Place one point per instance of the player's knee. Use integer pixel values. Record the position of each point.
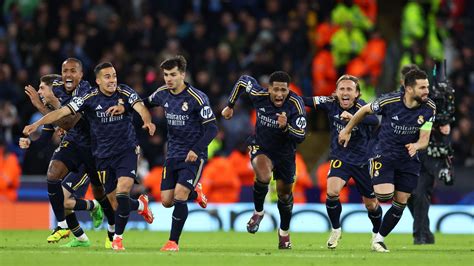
(263, 178)
(53, 175)
(69, 204)
(167, 203)
(332, 193)
(286, 199)
(384, 197)
(56, 171)
(124, 185)
(98, 192)
(371, 205)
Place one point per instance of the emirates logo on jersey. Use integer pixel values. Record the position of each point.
(185, 106)
(420, 120)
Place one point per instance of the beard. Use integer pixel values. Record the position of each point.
(419, 100)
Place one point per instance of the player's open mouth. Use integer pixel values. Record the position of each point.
(68, 83)
(345, 100)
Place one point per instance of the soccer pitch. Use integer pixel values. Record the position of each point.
(231, 248)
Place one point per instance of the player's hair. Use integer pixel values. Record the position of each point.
(279, 76)
(413, 75)
(407, 68)
(101, 66)
(176, 61)
(75, 60)
(48, 79)
(349, 77)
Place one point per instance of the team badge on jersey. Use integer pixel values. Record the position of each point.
(421, 119)
(185, 106)
(375, 106)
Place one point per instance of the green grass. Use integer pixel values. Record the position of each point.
(142, 248)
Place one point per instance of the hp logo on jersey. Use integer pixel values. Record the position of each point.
(206, 112)
(301, 122)
(132, 98)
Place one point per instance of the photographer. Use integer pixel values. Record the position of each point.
(435, 160)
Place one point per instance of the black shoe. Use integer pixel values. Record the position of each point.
(419, 241)
(254, 223)
(430, 239)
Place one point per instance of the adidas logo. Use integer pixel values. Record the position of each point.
(98, 107)
(262, 109)
(69, 184)
(395, 117)
(190, 181)
(336, 116)
(133, 172)
(166, 105)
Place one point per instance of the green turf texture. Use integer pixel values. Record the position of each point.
(230, 248)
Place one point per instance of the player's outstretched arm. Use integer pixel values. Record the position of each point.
(47, 119)
(345, 134)
(66, 123)
(46, 135)
(370, 120)
(140, 108)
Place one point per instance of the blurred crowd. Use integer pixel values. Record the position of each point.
(315, 41)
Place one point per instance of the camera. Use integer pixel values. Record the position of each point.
(442, 93)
